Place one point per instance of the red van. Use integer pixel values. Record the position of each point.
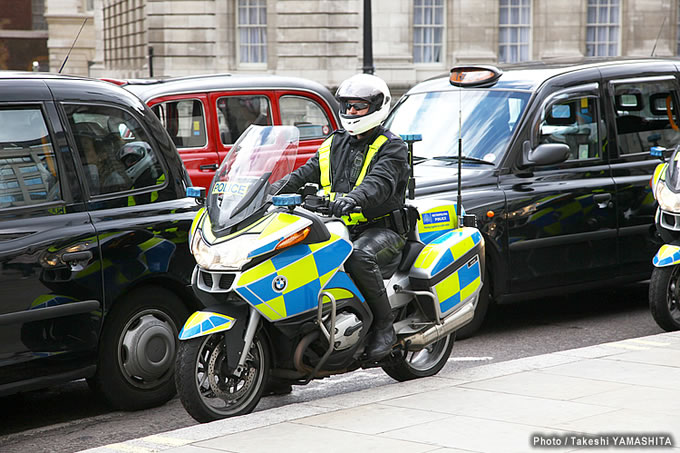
(205, 115)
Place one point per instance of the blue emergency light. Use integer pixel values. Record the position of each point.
(288, 199)
(196, 192)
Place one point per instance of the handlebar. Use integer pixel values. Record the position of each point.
(321, 205)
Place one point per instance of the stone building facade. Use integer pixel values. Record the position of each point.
(323, 39)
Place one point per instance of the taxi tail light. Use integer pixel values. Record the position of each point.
(293, 239)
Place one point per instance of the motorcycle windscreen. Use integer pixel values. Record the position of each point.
(244, 182)
(673, 171)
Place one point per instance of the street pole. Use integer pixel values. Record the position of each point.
(368, 39)
(150, 61)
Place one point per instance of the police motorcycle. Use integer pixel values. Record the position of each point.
(279, 306)
(664, 285)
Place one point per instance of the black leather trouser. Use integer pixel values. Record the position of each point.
(377, 252)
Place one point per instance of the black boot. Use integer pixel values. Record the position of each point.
(381, 339)
(277, 387)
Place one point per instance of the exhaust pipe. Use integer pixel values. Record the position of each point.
(451, 323)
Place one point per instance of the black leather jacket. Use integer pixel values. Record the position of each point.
(383, 188)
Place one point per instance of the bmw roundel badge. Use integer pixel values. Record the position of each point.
(279, 283)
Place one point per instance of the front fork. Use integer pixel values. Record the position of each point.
(253, 322)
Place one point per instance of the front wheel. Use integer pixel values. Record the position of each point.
(137, 349)
(207, 391)
(426, 362)
(664, 297)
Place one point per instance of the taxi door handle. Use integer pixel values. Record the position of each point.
(602, 199)
(207, 167)
(75, 257)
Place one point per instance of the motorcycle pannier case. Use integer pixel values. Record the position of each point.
(451, 268)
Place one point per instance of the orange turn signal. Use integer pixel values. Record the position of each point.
(293, 239)
(490, 214)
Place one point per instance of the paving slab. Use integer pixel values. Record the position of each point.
(550, 386)
(499, 406)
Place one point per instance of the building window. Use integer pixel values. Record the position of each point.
(602, 29)
(252, 31)
(124, 33)
(513, 32)
(38, 8)
(428, 31)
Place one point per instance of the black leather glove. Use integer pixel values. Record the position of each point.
(342, 206)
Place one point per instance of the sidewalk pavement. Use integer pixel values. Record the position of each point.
(614, 394)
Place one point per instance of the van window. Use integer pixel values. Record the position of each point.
(573, 122)
(28, 170)
(184, 121)
(306, 115)
(114, 150)
(646, 115)
(236, 113)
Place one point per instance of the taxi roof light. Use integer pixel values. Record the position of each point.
(469, 76)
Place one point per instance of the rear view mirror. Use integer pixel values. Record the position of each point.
(544, 154)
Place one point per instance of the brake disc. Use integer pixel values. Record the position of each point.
(227, 389)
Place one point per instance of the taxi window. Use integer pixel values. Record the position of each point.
(236, 113)
(184, 121)
(574, 122)
(306, 115)
(28, 170)
(646, 115)
(115, 152)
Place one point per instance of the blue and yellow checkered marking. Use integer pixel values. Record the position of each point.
(559, 218)
(204, 323)
(447, 248)
(668, 255)
(458, 286)
(306, 267)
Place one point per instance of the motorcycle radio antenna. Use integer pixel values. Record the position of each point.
(461, 77)
(72, 46)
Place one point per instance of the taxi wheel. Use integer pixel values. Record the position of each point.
(135, 368)
(664, 297)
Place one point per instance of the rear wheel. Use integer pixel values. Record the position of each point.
(664, 297)
(426, 362)
(207, 391)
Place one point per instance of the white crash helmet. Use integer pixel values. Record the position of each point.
(371, 89)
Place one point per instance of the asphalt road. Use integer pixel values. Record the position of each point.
(68, 418)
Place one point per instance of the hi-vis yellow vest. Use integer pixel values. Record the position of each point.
(325, 170)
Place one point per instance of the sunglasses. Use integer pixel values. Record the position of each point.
(356, 105)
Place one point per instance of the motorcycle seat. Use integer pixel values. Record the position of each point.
(409, 254)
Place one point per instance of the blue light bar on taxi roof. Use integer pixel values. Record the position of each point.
(470, 76)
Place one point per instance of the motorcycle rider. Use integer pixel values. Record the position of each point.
(365, 165)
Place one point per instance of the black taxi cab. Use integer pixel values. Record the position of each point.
(205, 114)
(94, 259)
(555, 165)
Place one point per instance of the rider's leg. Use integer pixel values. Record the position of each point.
(373, 249)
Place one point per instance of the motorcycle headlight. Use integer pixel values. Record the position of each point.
(229, 255)
(668, 200)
